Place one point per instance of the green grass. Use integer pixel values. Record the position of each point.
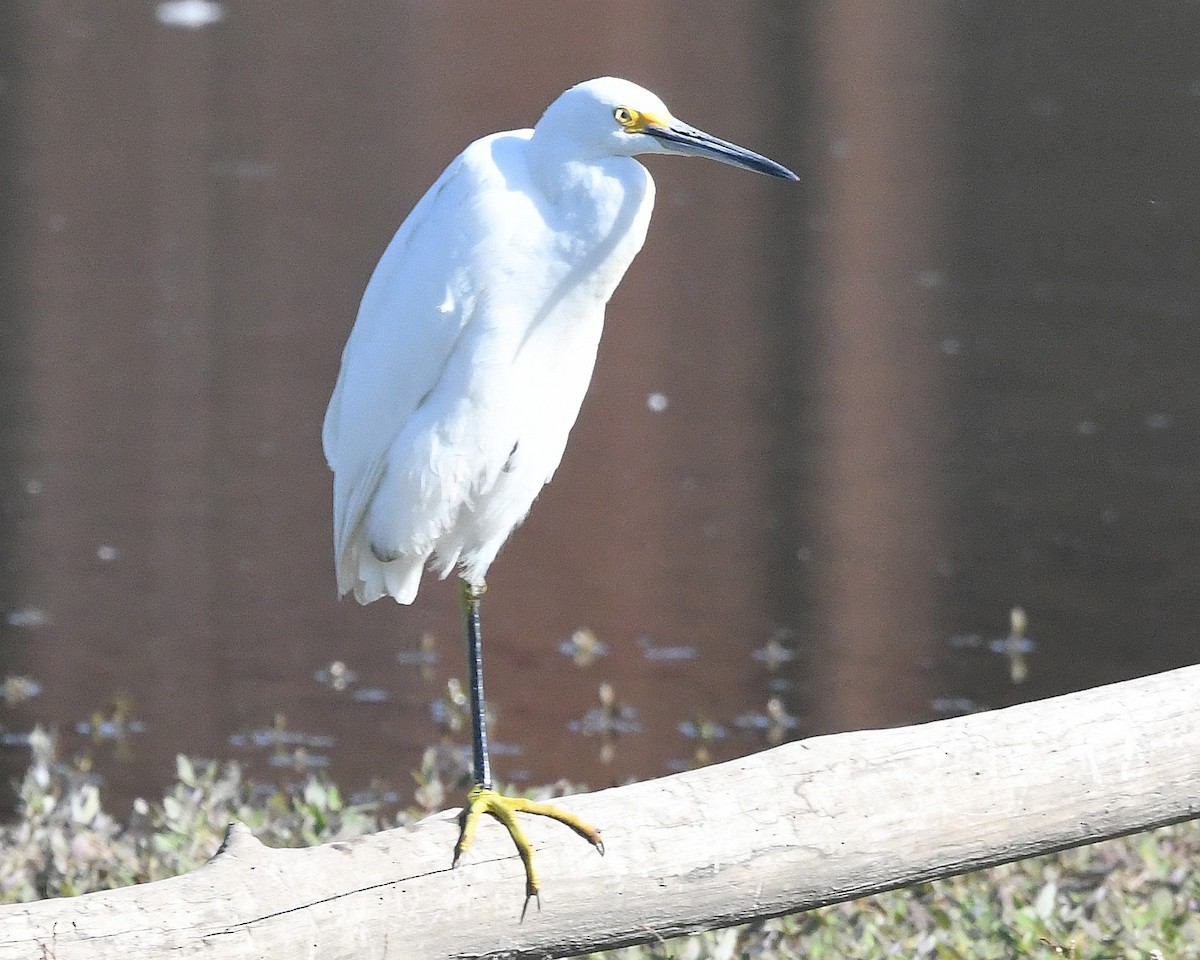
(1137, 897)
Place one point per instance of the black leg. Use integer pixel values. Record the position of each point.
(471, 595)
(482, 798)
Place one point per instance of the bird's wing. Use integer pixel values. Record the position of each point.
(410, 318)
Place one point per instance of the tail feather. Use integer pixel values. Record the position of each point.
(360, 572)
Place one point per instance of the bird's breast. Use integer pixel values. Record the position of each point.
(600, 222)
(538, 283)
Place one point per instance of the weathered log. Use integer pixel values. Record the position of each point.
(806, 824)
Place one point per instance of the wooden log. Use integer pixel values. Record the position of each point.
(806, 824)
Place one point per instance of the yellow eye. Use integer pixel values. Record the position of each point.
(625, 117)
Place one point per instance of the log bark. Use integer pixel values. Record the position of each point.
(806, 824)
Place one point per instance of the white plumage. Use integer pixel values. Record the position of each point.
(477, 334)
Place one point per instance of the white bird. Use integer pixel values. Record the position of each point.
(472, 351)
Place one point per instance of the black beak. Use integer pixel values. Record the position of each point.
(688, 141)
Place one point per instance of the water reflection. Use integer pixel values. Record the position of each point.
(830, 434)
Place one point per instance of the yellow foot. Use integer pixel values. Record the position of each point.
(483, 800)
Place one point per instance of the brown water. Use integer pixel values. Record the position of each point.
(951, 372)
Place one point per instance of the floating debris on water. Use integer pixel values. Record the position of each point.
(1016, 641)
(609, 721)
(424, 656)
(298, 759)
(776, 652)
(781, 720)
(1016, 646)
(18, 689)
(115, 726)
(278, 736)
(703, 729)
(954, 706)
(659, 654)
(611, 717)
(15, 738)
(189, 14)
(337, 676)
(704, 732)
(27, 618)
(371, 695)
(774, 721)
(584, 647)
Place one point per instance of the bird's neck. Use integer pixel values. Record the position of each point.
(564, 176)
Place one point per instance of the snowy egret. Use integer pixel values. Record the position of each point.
(471, 353)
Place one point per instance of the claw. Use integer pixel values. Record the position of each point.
(530, 895)
(481, 800)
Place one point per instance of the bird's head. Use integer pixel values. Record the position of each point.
(613, 117)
